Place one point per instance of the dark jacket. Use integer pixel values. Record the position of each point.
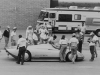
(6, 33)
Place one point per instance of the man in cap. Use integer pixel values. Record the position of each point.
(13, 37)
(73, 43)
(6, 35)
(21, 45)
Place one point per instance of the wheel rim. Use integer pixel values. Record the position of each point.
(26, 57)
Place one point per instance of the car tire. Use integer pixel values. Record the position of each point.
(67, 56)
(27, 56)
(68, 59)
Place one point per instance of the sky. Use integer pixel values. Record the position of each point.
(79, 1)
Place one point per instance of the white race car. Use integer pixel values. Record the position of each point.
(43, 52)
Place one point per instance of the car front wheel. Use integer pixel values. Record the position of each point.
(27, 56)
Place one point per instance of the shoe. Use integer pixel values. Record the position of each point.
(91, 59)
(17, 62)
(22, 63)
(96, 56)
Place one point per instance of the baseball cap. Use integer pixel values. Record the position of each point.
(73, 34)
(14, 27)
(8, 26)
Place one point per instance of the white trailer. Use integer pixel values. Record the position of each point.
(64, 19)
(93, 24)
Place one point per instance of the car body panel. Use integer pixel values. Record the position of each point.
(41, 52)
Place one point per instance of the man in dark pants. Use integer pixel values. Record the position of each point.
(6, 35)
(92, 43)
(79, 36)
(22, 48)
(92, 52)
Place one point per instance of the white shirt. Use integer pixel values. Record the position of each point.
(73, 39)
(35, 36)
(42, 31)
(29, 34)
(22, 42)
(50, 39)
(63, 41)
(13, 34)
(49, 27)
(95, 38)
(93, 41)
(83, 29)
(0, 34)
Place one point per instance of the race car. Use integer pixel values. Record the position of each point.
(42, 52)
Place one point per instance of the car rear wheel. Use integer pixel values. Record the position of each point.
(98, 32)
(27, 56)
(68, 56)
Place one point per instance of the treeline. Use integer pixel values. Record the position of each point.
(67, 4)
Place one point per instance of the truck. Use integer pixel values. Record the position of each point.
(65, 19)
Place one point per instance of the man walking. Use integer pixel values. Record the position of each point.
(6, 35)
(22, 48)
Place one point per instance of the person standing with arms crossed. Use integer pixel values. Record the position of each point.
(21, 45)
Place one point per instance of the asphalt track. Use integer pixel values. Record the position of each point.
(9, 67)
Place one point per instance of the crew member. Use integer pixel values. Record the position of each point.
(92, 45)
(29, 34)
(49, 28)
(73, 43)
(83, 30)
(43, 36)
(35, 38)
(63, 46)
(79, 36)
(13, 37)
(21, 45)
(6, 35)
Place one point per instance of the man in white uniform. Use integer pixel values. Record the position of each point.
(13, 37)
(29, 35)
(21, 45)
(73, 43)
(43, 35)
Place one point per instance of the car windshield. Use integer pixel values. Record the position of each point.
(42, 15)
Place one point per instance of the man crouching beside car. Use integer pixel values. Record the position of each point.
(21, 45)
